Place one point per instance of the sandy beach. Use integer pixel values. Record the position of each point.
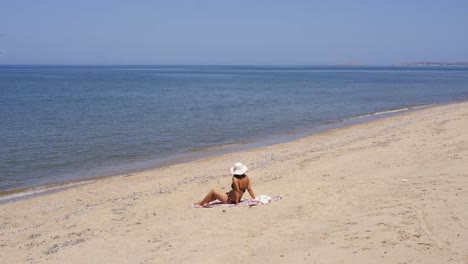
(389, 191)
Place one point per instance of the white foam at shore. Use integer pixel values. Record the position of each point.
(391, 111)
(40, 190)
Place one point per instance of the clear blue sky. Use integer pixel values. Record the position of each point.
(232, 32)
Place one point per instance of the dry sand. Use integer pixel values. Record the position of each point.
(389, 191)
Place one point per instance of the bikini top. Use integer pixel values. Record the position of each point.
(243, 190)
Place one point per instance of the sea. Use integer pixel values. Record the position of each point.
(62, 125)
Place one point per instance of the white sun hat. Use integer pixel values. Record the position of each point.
(239, 169)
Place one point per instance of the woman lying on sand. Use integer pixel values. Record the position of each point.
(240, 183)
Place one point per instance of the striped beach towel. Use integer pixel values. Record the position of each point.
(261, 200)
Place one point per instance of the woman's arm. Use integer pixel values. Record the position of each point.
(249, 188)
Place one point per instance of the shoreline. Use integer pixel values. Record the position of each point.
(14, 195)
(104, 145)
(389, 191)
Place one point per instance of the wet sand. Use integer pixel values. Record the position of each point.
(389, 191)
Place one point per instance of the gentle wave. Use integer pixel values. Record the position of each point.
(391, 111)
(9, 196)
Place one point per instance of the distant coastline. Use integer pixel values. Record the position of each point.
(430, 63)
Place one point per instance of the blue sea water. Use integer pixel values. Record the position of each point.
(62, 123)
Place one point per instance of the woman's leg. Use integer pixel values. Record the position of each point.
(213, 195)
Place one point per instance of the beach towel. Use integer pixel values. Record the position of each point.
(259, 200)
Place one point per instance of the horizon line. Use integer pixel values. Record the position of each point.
(252, 65)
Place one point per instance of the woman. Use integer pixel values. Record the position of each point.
(240, 183)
